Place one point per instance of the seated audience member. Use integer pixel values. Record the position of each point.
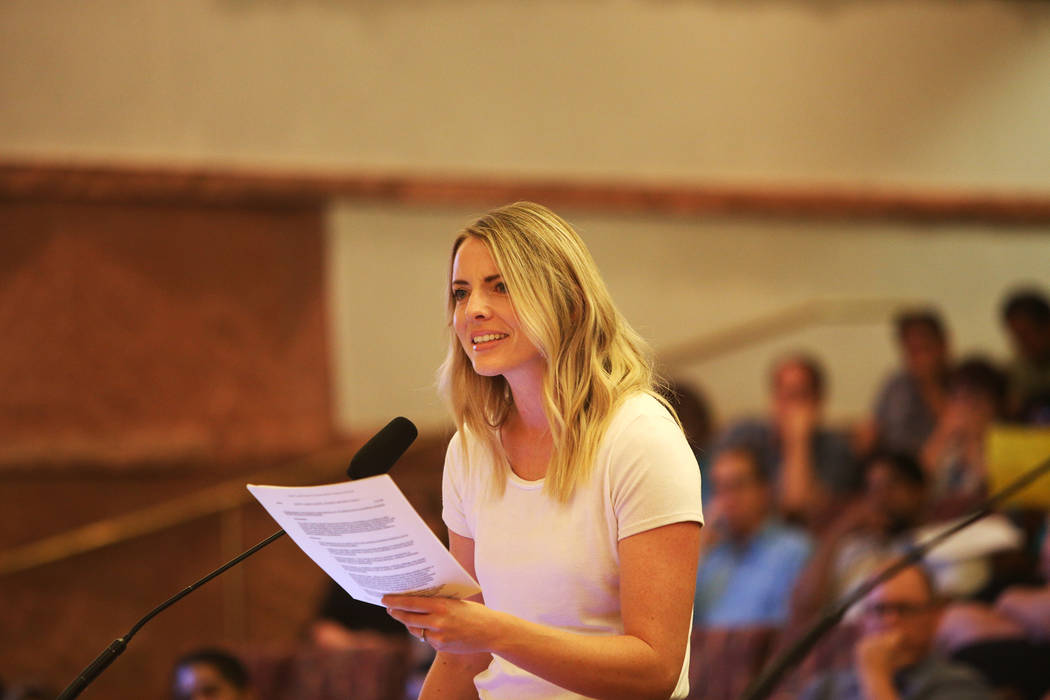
(953, 456)
(210, 674)
(698, 424)
(910, 401)
(1009, 642)
(1026, 315)
(747, 574)
(808, 464)
(894, 656)
(878, 525)
(887, 521)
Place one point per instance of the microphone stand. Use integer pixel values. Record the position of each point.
(767, 681)
(117, 647)
(375, 457)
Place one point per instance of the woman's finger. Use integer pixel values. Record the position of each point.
(412, 603)
(409, 619)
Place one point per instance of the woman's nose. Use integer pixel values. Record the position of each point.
(478, 305)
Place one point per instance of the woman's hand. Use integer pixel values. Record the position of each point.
(449, 625)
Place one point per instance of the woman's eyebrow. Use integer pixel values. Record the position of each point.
(490, 278)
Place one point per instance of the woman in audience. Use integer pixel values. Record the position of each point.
(953, 456)
(912, 399)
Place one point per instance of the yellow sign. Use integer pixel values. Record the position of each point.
(1012, 450)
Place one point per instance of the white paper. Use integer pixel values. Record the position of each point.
(368, 538)
(991, 534)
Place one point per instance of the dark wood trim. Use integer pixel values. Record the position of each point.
(140, 183)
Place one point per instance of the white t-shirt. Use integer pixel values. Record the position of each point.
(558, 564)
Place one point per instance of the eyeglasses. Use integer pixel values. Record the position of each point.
(885, 609)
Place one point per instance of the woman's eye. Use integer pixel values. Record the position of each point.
(501, 287)
(459, 294)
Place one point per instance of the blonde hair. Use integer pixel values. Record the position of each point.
(593, 357)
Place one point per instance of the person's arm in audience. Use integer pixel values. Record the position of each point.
(965, 622)
(871, 430)
(950, 427)
(864, 435)
(876, 665)
(801, 493)
(879, 656)
(1029, 608)
(814, 585)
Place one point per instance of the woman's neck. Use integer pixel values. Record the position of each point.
(528, 414)
(526, 435)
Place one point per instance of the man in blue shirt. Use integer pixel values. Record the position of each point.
(747, 573)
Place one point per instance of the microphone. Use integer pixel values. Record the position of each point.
(380, 453)
(375, 457)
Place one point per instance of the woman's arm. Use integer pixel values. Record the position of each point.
(657, 581)
(452, 675)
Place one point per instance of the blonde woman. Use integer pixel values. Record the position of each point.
(569, 489)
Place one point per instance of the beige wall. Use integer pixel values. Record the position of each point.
(858, 93)
(904, 92)
(675, 279)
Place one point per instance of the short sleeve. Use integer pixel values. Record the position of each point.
(454, 501)
(654, 476)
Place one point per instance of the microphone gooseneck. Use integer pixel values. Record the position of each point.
(375, 457)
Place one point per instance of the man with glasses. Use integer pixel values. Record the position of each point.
(894, 657)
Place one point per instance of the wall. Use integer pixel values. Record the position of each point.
(934, 94)
(160, 332)
(872, 92)
(676, 279)
(866, 95)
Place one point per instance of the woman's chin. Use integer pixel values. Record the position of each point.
(485, 370)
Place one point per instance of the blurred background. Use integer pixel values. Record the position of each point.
(225, 224)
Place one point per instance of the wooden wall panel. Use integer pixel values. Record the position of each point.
(158, 332)
(130, 182)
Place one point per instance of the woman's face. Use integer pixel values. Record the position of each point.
(485, 320)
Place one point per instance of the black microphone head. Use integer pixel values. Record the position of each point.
(380, 453)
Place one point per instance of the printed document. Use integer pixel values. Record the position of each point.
(368, 538)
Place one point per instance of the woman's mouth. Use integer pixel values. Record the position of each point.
(486, 338)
